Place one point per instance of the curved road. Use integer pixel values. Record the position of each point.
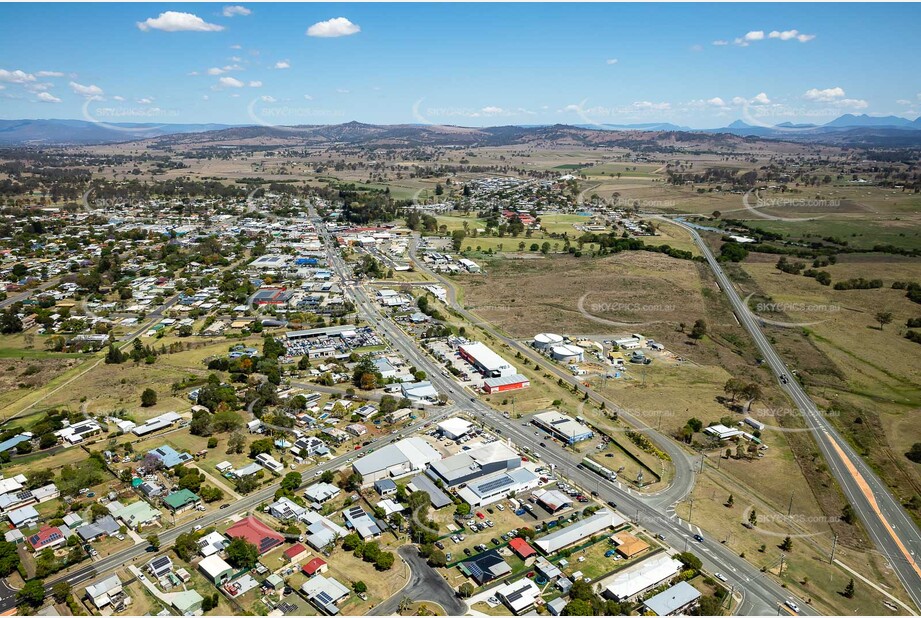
(425, 584)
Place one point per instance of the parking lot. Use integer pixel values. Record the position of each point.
(467, 374)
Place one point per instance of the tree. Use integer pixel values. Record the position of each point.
(883, 317)
(291, 482)
(733, 387)
(787, 544)
(242, 554)
(578, 608)
(226, 420)
(212, 442)
(689, 560)
(699, 329)
(236, 443)
(257, 447)
(848, 515)
(466, 589)
(149, 397)
(384, 561)
(849, 589)
(200, 425)
(32, 594)
(730, 501)
(186, 546)
(60, 591)
(437, 558)
(9, 558)
(359, 587)
(752, 518)
(327, 476)
(154, 541)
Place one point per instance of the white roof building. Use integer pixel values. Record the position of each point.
(454, 427)
(583, 529)
(396, 460)
(641, 576)
(520, 595)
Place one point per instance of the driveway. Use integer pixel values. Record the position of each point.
(425, 584)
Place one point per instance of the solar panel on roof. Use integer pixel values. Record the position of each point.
(324, 598)
(494, 484)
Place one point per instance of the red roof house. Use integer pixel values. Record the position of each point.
(317, 565)
(255, 532)
(521, 547)
(47, 537)
(296, 553)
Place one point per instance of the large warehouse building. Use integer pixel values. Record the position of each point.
(506, 383)
(563, 427)
(487, 362)
(396, 460)
(478, 462)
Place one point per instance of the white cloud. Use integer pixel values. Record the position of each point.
(649, 105)
(175, 21)
(255, 84)
(118, 98)
(16, 77)
(282, 64)
(491, 110)
(852, 103)
(224, 69)
(238, 46)
(204, 97)
(720, 42)
(145, 101)
(825, 95)
(92, 91)
(215, 71)
(50, 74)
(716, 102)
(343, 90)
(761, 99)
(903, 102)
(338, 26)
(789, 35)
(611, 61)
(697, 48)
(47, 97)
(232, 11)
(268, 99)
(308, 97)
(230, 82)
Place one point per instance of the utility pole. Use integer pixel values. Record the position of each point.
(782, 556)
(790, 508)
(834, 546)
(702, 457)
(690, 508)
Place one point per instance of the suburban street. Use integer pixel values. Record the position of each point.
(425, 584)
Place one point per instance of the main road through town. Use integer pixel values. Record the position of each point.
(760, 594)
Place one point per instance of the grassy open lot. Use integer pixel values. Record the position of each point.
(855, 369)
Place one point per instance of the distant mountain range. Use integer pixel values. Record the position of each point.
(848, 129)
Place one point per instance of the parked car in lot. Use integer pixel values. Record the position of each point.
(439, 545)
(480, 515)
(467, 551)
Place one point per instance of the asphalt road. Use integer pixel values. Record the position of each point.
(761, 595)
(425, 584)
(888, 525)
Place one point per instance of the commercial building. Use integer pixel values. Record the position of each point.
(438, 498)
(679, 600)
(514, 382)
(487, 362)
(454, 428)
(640, 577)
(478, 462)
(582, 529)
(562, 427)
(494, 487)
(396, 460)
(554, 500)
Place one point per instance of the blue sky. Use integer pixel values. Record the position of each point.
(700, 65)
